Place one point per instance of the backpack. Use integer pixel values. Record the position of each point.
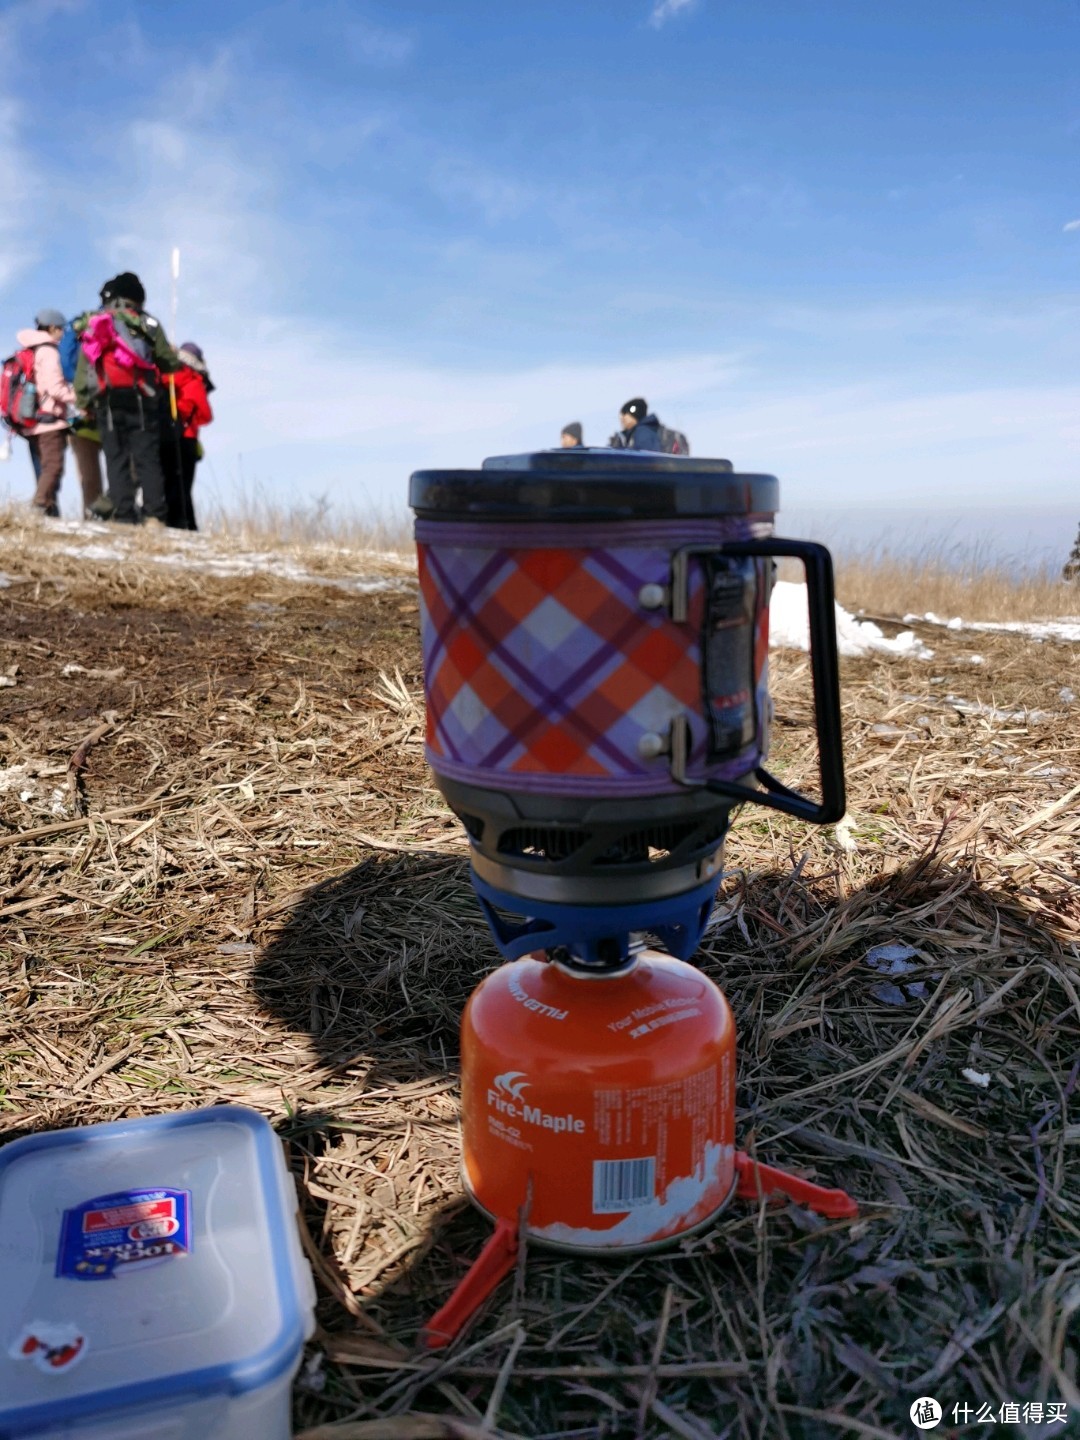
(673, 442)
(119, 357)
(69, 351)
(18, 392)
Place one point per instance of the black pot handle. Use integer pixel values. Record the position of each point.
(825, 670)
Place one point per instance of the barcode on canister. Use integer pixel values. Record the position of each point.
(623, 1184)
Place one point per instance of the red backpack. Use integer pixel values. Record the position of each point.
(118, 356)
(18, 392)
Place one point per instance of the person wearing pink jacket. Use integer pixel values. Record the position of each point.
(55, 401)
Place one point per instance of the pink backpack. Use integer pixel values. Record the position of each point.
(119, 359)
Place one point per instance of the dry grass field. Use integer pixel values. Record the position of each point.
(225, 876)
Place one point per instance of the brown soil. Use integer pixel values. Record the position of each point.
(251, 892)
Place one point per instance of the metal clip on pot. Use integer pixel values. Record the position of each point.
(824, 668)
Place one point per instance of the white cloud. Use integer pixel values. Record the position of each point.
(21, 189)
(459, 179)
(367, 398)
(22, 223)
(665, 10)
(376, 45)
(1071, 225)
(872, 445)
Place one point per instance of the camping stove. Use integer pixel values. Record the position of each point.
(595, 637)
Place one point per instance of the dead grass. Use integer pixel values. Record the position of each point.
(246, 889)
(252, 518)
(955, 582)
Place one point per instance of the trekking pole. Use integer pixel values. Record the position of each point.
(172, 337)
(175, 288)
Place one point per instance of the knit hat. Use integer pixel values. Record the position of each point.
(191, 354)
(637, 408)
(125, 286)
(573, 430)
(48, 319)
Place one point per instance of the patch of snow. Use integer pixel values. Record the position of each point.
(6, 682)
(313, 1377)
(267, 563)
(12, 777)
(194, 553)
(93, 552)
(73, 669)
(892, 959)
(75, 527)
(5, 581)
(888, 993)
(1066, 696)
(976, 707)
(789, 628)
(976, 660)
(895, 959)
(1038, 630)
(977, 1077)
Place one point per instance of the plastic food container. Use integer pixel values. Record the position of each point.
(152, 1284)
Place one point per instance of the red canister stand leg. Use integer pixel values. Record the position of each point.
(499, 1255)
(755, 1181)
(491, 1266)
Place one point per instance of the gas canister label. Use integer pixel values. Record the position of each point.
(538, 1007)
(131, 1227)
(506, 1096)
(646, 1018)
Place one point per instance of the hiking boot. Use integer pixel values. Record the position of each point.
(102, 507)
(153, 523)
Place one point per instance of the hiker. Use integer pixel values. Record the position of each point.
(571, 436)
(1071, 569)
(84, 439)
(54, 404)
(117, 382)
(641, 430)
(186, 409)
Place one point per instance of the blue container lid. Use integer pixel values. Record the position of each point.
(146, 1262)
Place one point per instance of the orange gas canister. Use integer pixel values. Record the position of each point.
(605, 1104)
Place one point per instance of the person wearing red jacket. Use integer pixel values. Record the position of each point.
(180, 448)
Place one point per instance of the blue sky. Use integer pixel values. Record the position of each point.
(828, 240)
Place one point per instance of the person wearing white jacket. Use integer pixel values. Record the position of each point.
(55, 403)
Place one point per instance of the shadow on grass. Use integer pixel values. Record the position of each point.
(942, 1104)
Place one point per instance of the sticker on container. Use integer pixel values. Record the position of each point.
(50, 1346)
(103, 1236)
